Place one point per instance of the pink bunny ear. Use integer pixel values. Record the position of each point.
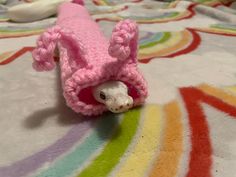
(44, 51)
(124, 41)
(43, 54)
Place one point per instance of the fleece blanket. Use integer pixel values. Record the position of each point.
(187, 128)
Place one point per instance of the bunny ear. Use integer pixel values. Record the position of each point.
(44, 51)
(74, 53)
(124, 41)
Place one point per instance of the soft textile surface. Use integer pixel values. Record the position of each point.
(186, 129)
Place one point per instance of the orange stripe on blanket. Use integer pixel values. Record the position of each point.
(194, 44)
(170, 152)
(16, 55)
(224, 96)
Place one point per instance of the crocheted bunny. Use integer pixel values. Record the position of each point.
(88, 60)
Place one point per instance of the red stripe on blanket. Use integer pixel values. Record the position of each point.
(16, 55)
(195, 43)
(200, 160)
(228, 4)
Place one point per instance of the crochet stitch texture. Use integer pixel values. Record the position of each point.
(88, 59)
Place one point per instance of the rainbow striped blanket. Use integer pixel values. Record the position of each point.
(187, 127)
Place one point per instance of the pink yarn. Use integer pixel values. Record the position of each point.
(84, 57)
(123, 43)
(43, 55)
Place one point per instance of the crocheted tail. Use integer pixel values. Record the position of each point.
(44, 51)
(124, 41)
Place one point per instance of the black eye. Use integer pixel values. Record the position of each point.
(102, 96)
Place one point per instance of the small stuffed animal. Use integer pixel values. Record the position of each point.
(96, 75)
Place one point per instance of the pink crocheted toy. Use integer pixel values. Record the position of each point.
(88, 61)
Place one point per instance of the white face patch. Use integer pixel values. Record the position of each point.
(114, 94)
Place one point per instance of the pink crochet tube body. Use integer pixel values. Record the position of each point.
(87, 59)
